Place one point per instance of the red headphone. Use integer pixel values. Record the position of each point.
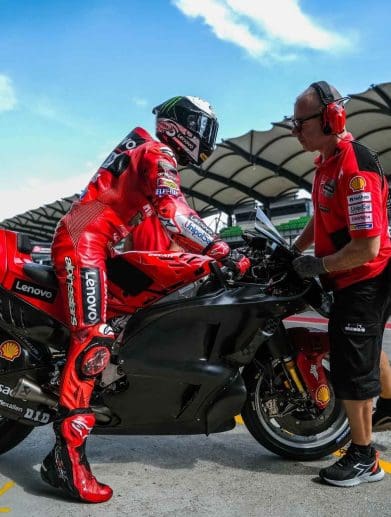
(333, 112)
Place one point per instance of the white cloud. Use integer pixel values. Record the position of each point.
(47, 109)
(36, 192)
(221, 20)
(140, 102)
(7, 95)
(264, 29)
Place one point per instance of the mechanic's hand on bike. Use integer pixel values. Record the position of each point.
(307, 266)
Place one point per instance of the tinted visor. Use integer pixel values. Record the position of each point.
(205, 127)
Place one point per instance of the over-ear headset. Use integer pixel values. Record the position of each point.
(333, 112)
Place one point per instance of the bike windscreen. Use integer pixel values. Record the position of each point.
(266, 228)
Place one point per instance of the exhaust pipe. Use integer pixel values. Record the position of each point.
(29, 390)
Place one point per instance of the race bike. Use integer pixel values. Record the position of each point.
(195, 347)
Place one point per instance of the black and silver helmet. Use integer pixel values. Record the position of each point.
(189, 126)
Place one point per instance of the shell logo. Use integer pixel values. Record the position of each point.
(357, 183)
(10, 350)
(323, 394)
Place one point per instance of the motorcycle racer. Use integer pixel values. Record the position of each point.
(138, 182)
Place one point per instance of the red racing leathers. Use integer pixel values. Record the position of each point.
(137, 183)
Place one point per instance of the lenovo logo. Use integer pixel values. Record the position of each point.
(91, 294)
(34, 290)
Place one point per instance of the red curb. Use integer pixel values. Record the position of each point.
(322, 321)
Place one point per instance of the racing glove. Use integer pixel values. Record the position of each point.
(239, 266)
(217, 249)
(307, 266)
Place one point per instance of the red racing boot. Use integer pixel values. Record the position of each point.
(66, 466)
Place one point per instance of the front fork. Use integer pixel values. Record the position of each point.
(306, 373)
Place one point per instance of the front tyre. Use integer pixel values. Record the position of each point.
(293, 436)
(12, 433)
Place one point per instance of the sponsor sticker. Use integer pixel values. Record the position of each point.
(314, 371)
(360, 208)
(168, 152)
(36, 416)
(34, 290)
(105, 330)
(166, 169)
(90, 286)
(361, 226)
(358, 328)
(5, 390)
(357, 183)
(357, 198)
(12, 407)
(198, 221)
(328, 187)
(323, 394)
(169, 224)
(167, 191)
(69, 268)
(148, 210)
(165, 182)
(361, 218)
(196, 232)
(10, 350)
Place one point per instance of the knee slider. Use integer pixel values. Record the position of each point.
(94, 358)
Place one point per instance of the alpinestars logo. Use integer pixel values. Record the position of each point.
(90, 284)
(69, 267)
(314, 371)
(81, 428)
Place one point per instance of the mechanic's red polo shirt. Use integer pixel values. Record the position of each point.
(350, 201)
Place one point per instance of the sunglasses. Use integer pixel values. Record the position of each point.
(297, 123)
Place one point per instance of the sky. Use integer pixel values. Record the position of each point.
(77, 75)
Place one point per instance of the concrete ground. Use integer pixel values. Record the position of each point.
(222, 475)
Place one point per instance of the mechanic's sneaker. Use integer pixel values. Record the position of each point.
(381, 418)
(354, 468)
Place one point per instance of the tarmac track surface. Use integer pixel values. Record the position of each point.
(227, 474)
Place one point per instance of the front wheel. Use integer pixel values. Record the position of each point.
(298, 434)
(12, 433)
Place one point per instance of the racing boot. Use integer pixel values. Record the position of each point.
(66, 466)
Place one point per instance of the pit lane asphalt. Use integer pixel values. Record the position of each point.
(227, 474)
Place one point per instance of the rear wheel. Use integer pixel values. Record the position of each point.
(299, 434)
(12, 433)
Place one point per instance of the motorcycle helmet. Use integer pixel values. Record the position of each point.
(189, 126)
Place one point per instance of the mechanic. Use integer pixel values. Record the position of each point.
(349, 229)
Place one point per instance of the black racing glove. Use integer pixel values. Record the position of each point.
(307, 266)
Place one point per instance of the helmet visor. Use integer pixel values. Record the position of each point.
(205, 127)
